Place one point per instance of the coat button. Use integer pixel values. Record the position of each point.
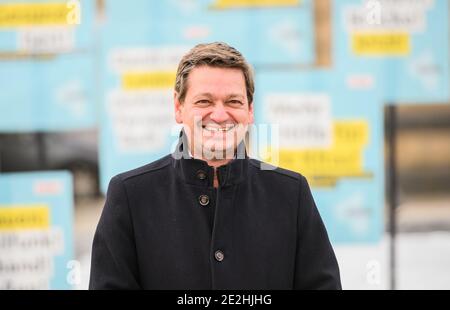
(219, 256)
(201, 175)
(203, 200)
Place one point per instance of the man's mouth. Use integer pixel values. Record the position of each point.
(219, 128)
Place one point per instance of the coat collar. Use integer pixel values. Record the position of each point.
(198, 172)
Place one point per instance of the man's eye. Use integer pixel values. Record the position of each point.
(203, 102)
(235, 102)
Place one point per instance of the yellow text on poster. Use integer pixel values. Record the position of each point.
(22, 217)
(238, 4)
(350, 134)
(39, 14)
(148, 80)
(381, 44)
(324, 167)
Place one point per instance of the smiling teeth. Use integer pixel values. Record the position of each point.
(217, 129)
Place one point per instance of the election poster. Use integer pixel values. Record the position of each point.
(311, 123)
(36, 231)
(399, 46)
(46, 65)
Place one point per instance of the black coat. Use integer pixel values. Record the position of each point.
(164, 226)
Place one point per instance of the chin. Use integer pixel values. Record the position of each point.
(219, 151)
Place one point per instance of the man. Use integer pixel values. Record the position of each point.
(207, 216)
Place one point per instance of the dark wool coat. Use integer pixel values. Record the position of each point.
(164, 226)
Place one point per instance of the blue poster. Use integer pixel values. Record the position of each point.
(36, 230)
(399, 47)
(36, 27)
(42, 95)
(334, 137)
(266, 32)
(47, 65)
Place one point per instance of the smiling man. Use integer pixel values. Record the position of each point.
(213, 104)
(207, 216)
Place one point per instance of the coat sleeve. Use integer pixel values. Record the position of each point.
(316, 264)
(114, 262)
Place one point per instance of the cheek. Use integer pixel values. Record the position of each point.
(242, 117)
(198, 115)
(194, 118)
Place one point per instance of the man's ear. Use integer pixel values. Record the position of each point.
(178, 108)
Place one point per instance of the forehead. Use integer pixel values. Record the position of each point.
(219, 81)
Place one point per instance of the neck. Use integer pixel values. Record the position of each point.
(213, 162)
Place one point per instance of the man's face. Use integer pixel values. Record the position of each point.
(215, 113)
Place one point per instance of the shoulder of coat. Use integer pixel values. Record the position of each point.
(148, 168)
(268, 168)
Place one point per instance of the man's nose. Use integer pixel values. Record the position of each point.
(219, 113)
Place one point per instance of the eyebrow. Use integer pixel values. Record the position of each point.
(235, 96)
(209, 95)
